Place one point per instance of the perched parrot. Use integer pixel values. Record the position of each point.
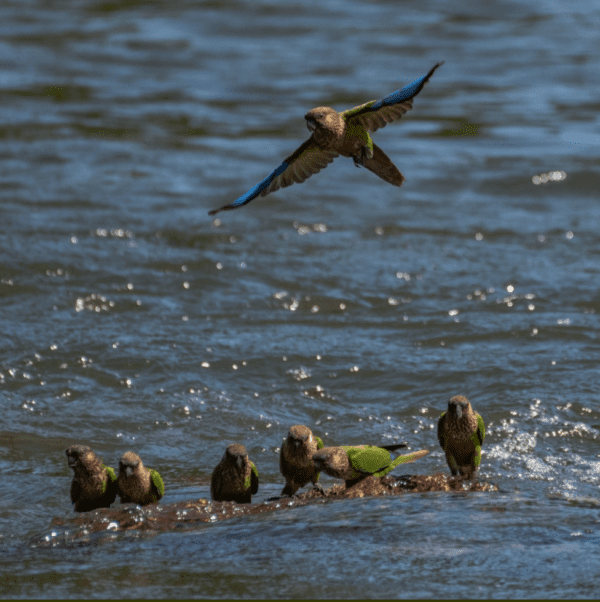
(355, 462)
(295, 460)
(346, 134)
(94, 485)
(137, 483)
(235, 478)
(461, 432)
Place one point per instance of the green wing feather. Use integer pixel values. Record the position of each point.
(349, 113)
(112, 479)
(369, 459)
(371, 119)
(157, 483)
(253, 484)
(480, 429)
(478, 438)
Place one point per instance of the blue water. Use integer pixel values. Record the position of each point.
(132, 320)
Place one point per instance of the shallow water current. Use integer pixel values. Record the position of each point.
(131, 320)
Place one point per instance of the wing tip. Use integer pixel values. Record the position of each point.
(224, 208)
(432, 70)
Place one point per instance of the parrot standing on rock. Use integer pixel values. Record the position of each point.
(94, 485)
(235, 477)
(137, 483)
(295, 459)
(461, 432)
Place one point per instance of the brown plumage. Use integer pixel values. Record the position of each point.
(346, 134)
(295, 459)
(331, 132)
(461, 432)
(94, 485)
(136, 483)
(235, 478)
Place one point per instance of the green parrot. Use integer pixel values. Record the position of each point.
(461, 432)
(138, 484)
(295, 459)
(346, 134)
(94, 485)
(355, 462)
(235, 477)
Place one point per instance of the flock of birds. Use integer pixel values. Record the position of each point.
(302, 458)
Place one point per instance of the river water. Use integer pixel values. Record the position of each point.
(131, 320)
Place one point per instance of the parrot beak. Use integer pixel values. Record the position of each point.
(126, 469)
(310, 124)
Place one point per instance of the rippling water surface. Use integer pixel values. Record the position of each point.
(131, 320)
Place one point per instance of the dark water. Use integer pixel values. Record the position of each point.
(130, 320)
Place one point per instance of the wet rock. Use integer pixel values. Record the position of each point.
(96, 524)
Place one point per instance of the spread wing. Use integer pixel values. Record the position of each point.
(376, 114)
(300, 165)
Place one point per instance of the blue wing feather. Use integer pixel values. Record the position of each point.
(403, 94)
(376, 114)
(305, 161)
(254, 192)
